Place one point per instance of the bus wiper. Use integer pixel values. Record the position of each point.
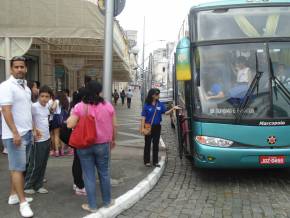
(255, 84)
(278, 84)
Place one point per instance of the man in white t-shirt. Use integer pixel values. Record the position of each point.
(40, 149)
(129, 98)
(244, 74)
(15, 101)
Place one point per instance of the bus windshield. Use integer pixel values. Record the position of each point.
(240, 23)
(247, 80)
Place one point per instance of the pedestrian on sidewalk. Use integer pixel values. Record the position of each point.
(78, 186)
(57, 106)
(129, 98)
(15, 101)
(116, 96)
(67, 94)
(98, 154)
(40, 149)
(34, 90)
(123, 96)
(152, 116)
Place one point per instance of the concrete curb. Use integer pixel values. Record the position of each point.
(131, 197)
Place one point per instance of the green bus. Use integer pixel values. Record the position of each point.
(232, 79)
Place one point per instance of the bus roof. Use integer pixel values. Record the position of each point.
(221, 3)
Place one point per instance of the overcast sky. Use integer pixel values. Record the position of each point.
(163, 19)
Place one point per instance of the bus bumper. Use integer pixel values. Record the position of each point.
(215, 157)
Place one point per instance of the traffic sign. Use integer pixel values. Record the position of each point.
(119, 6)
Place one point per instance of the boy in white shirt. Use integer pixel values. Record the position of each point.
(40, 150)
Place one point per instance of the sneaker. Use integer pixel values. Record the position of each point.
(147, 165)
(13, 199)
(29, 191)
(110, 204)
(51, 153)
(70, 152)
(79, 191)
(42, 191)
(56, 153)
(25, 210)
(61, 152)
(86, 207)
(4, 151)
(74, 187)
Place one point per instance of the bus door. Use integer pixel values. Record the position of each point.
(184, 98)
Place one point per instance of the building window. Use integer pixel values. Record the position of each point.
(164, 53)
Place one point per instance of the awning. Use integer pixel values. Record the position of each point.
(63, 22)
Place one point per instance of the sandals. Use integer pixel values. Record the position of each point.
(110, 204)
(149, 165)
(86, 207)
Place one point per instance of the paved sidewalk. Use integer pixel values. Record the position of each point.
(127, 171)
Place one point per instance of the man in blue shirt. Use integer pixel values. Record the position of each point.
(215, 92)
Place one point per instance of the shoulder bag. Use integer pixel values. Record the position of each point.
(84, 134)
(148, 126)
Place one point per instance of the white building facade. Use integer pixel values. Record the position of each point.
(161, 68)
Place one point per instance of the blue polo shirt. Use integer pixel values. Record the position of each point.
(216, 89)
(148, 112)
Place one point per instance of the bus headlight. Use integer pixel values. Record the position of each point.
(212, 141)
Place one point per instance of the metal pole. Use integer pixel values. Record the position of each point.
(143, 60)
(108, 54)
(7, 57)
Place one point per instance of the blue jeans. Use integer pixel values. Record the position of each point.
(18, 156)
(96, 156)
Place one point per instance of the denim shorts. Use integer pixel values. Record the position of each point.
(18, 155)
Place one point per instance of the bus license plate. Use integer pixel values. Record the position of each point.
(271, 160)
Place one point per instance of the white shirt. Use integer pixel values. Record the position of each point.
(130, 94)
(58, 108)
(12, 93)
(40, 118)
(244, 75)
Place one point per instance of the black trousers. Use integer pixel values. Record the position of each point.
(37, 165)
(129, 102)
(154, 137)
(77, 171)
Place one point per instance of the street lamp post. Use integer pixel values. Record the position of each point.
(143, 62)
(145, 72)
(108, 54)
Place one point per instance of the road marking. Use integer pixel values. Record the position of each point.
(126, 124)
(131, 141)
(162, 144)
(129, 134)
